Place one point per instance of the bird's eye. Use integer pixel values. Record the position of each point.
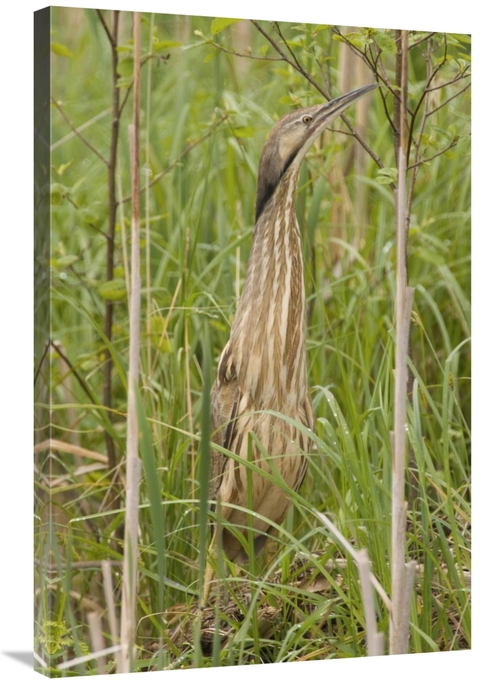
(306, 119)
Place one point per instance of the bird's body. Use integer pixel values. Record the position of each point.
(262, 370)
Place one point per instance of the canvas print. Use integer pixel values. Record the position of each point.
(252, 342)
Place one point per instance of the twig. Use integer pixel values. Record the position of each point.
(261, 58)
(365, 146)
(294, 63)
(79, 129)
(381, 75)
(111, 36)
(40, 362)
(452, 97)
(77, 132)
(458, 77)
(299, 67)
(424, 98)
(428, 159)
(421, 40)
(79, 379)
(110, 247)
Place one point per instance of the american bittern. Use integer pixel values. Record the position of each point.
(263, 366)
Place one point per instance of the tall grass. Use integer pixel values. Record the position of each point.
(200, 222)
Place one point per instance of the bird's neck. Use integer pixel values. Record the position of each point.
(268, 332)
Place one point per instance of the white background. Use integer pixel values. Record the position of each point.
(16, 332)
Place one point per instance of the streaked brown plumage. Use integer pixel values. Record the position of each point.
(263, 366)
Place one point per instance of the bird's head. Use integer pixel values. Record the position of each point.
(292, 137)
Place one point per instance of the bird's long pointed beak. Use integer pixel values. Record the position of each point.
(334, 108)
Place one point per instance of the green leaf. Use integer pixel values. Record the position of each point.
(430, 256)
(219, 24)
(213, 53)
(244, 131)
(62, 168)
(460, 37)
(64, 261)
(386, 42)
(464, 146)
(160, 45)
(387, 176)
(355, 38)
(62, 50)
(91, 215)
(159, 337)
(126, 67)
(57, 192)
(113, 290)
(54, 635)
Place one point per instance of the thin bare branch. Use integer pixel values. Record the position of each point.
(365, 146)
(438, 154)
(112, 205)
(373, 64)
(78, 377)
(421, 40)
(298, 65)
(246, 55)
(424, 100)
(436, 109)
(458, 77)
(416, 147)
(294, 63)
(79, 129)
(77, 132)
(427, 89)
(111, 36)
